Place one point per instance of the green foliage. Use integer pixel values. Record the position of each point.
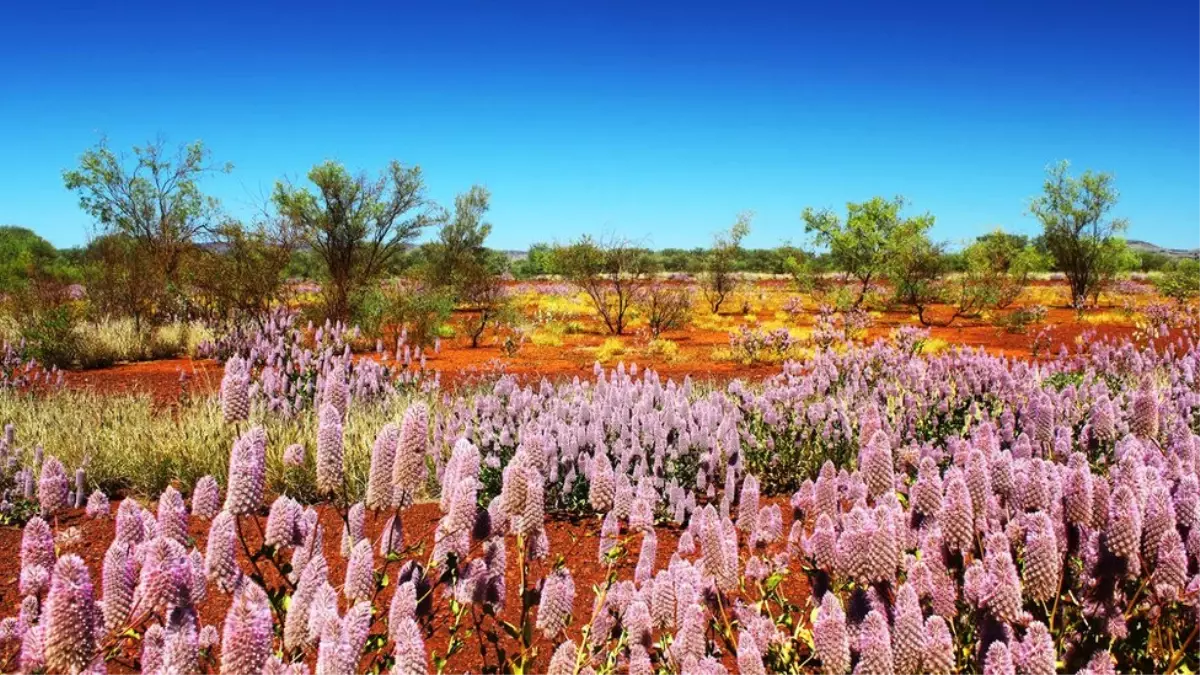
(1077, 230)
(242, 276)
(356, 225)
(152, 197)
(1001, 264)
(51, 336)
(538, 261)
(863, 244)
(122, 278)
(613, 274)
(25, 257)
(421, 310)
(458, 253)
(1180, 281)
(719, 278)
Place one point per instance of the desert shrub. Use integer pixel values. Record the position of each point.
(1180, 281)
(547, 337)
(665, 307)
(356, 225)
(757, 345)
(609, 349)
(1019, 320)
(421, 311)
(612, 273)
(667, 350)
(720, 277)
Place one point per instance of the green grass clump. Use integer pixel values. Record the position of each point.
(126, 444)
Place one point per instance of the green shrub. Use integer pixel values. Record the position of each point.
(51, 336)
(1180, 281)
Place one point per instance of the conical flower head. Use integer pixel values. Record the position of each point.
(562, 662)
(206, 498)
(602, 488)
(329, 451)
(409, 654)
(748, 504)
(908, 631)
(938, 658)
(957, 514)
(54, 490)
(749, 658)
(70, 617)
(1143, 421)
(246, 639)
(119, 576)
(283, 523)
(220, 559)
(1036, 651)
(874, 646)
(97, 505)
(247, 473)
(557, 604)
(360, 572)
(383, 456)
(235, 390)
(831, 641)
(998, 660)
(1101, 420)
(878, 465)
(408, 468)
(1124, 533)
(1041, 565)
(172, 515)
(37, 544)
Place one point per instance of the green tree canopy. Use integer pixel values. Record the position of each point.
(861, 245)
(356, 224)
(152, 196)
(1077, 230)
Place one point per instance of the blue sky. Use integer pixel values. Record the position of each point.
(658, 122)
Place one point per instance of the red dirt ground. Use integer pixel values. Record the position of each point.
(575, 542)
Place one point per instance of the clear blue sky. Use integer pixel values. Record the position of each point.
(658, 123)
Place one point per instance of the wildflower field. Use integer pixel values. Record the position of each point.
(870, 505)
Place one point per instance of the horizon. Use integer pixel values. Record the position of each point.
(648, 123)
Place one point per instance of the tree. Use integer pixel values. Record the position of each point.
(860, 247)
(152, 197)
(459, 263)
(25, 257)
(613, 273)
(459, 254)
(122, 278)
(1076, 230)
(485, 296)
(719, 278)
(1002, 262)
(242, 274)
(355, 224)
(538, 260)
(666, 307)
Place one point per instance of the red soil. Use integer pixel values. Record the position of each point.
(573, 542)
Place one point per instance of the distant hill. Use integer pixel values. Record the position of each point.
(1147, 247)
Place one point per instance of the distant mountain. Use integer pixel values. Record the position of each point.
(1147, 247)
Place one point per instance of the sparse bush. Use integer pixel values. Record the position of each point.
(666, 307)
(612, 273)
(419, 310)
(1019, 320)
